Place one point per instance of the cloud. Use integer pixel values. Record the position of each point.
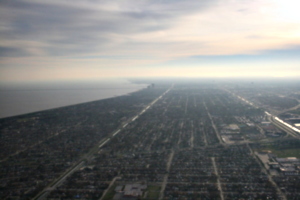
(271, 62)
(12, 52)
(165, 28)
(76, 27)
(106, 36)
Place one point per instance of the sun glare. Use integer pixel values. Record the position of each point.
(287, 10)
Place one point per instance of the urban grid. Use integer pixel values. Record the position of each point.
(177, 141)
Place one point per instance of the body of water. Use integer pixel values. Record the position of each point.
(16, 99)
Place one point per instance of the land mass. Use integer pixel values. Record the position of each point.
(169, 141)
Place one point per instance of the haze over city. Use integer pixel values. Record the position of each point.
(150, 100)
(70, 40)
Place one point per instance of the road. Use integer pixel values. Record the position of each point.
(192, 135)
(165, 180)
(271, 117)
(283, 127)
(59, 181)
(110, 185)
(279, 192)
(45, 192)
(213, 124)
(218, 178)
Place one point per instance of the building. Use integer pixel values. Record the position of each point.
(132, 191)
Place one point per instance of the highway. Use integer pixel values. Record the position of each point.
(292, 131)
(96, 148)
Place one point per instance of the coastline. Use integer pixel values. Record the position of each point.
(22, 100)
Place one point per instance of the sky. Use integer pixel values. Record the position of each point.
(95, 39)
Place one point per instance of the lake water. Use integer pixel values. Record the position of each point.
(16, 99)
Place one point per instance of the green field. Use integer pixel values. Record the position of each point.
(282, 153)
(283, 148)
(153, 192)
(286, 152)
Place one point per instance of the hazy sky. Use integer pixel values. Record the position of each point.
(70, 39)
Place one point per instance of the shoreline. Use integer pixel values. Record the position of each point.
(61, 100)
